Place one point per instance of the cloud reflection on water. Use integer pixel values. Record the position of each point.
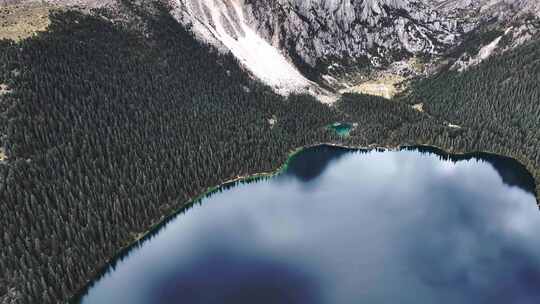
(392, 227)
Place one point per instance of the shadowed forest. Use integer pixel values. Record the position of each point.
(110, 127)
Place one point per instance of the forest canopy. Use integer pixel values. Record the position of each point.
(109, 127)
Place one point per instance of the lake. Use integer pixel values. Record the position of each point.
(342, 226)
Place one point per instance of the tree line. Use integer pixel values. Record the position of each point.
(497, 105)
(108, 131)
(111, 126)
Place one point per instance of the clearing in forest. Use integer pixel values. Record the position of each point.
(385, 86)
(19, 21)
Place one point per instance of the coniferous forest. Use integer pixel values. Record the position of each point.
(110, 127)
(496, 104)
(107, 132)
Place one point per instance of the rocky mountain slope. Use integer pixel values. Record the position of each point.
(267, 36)
(286, 42)
(492, 26)
(302, 46)
(380, 30)
(112, 119)
(500, 9)
(224, 23)
(80, 3)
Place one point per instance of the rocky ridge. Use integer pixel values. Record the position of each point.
(381, 31)
(306, 41)
(307, 45)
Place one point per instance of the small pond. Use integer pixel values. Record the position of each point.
(342, 129)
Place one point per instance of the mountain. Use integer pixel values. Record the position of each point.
(499, 9)
(316, 34)
(116, 114)
(224, 24)
(492, 27)
(315, 46)
(309, 44)
(379, 30)
(79, 3)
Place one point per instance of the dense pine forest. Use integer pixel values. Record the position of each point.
(493, 107)
(496, 104)
(108, 127)
(487, 127)
(107, 131)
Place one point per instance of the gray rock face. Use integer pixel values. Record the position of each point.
(380, 30)
(482, 9)
(80, 3)
(517, 20)
(269, 36)
(297, 45)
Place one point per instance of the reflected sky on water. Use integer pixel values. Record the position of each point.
(346, 227)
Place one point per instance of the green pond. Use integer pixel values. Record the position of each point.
(342, 129)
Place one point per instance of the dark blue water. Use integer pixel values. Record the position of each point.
(347, 227)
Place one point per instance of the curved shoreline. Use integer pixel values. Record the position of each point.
(166, 219)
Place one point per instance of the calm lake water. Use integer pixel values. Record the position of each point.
(345, 226)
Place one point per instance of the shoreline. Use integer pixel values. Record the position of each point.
(165, 219)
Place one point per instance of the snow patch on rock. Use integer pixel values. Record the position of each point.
(487, 50)
(379, 30)
(484, 53)
(223, 24)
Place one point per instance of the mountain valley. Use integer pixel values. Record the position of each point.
(117, 114)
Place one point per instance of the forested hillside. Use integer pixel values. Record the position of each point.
(497, 105)
(109, 127)
(107, 131)
(494, 107)
(488, 128)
